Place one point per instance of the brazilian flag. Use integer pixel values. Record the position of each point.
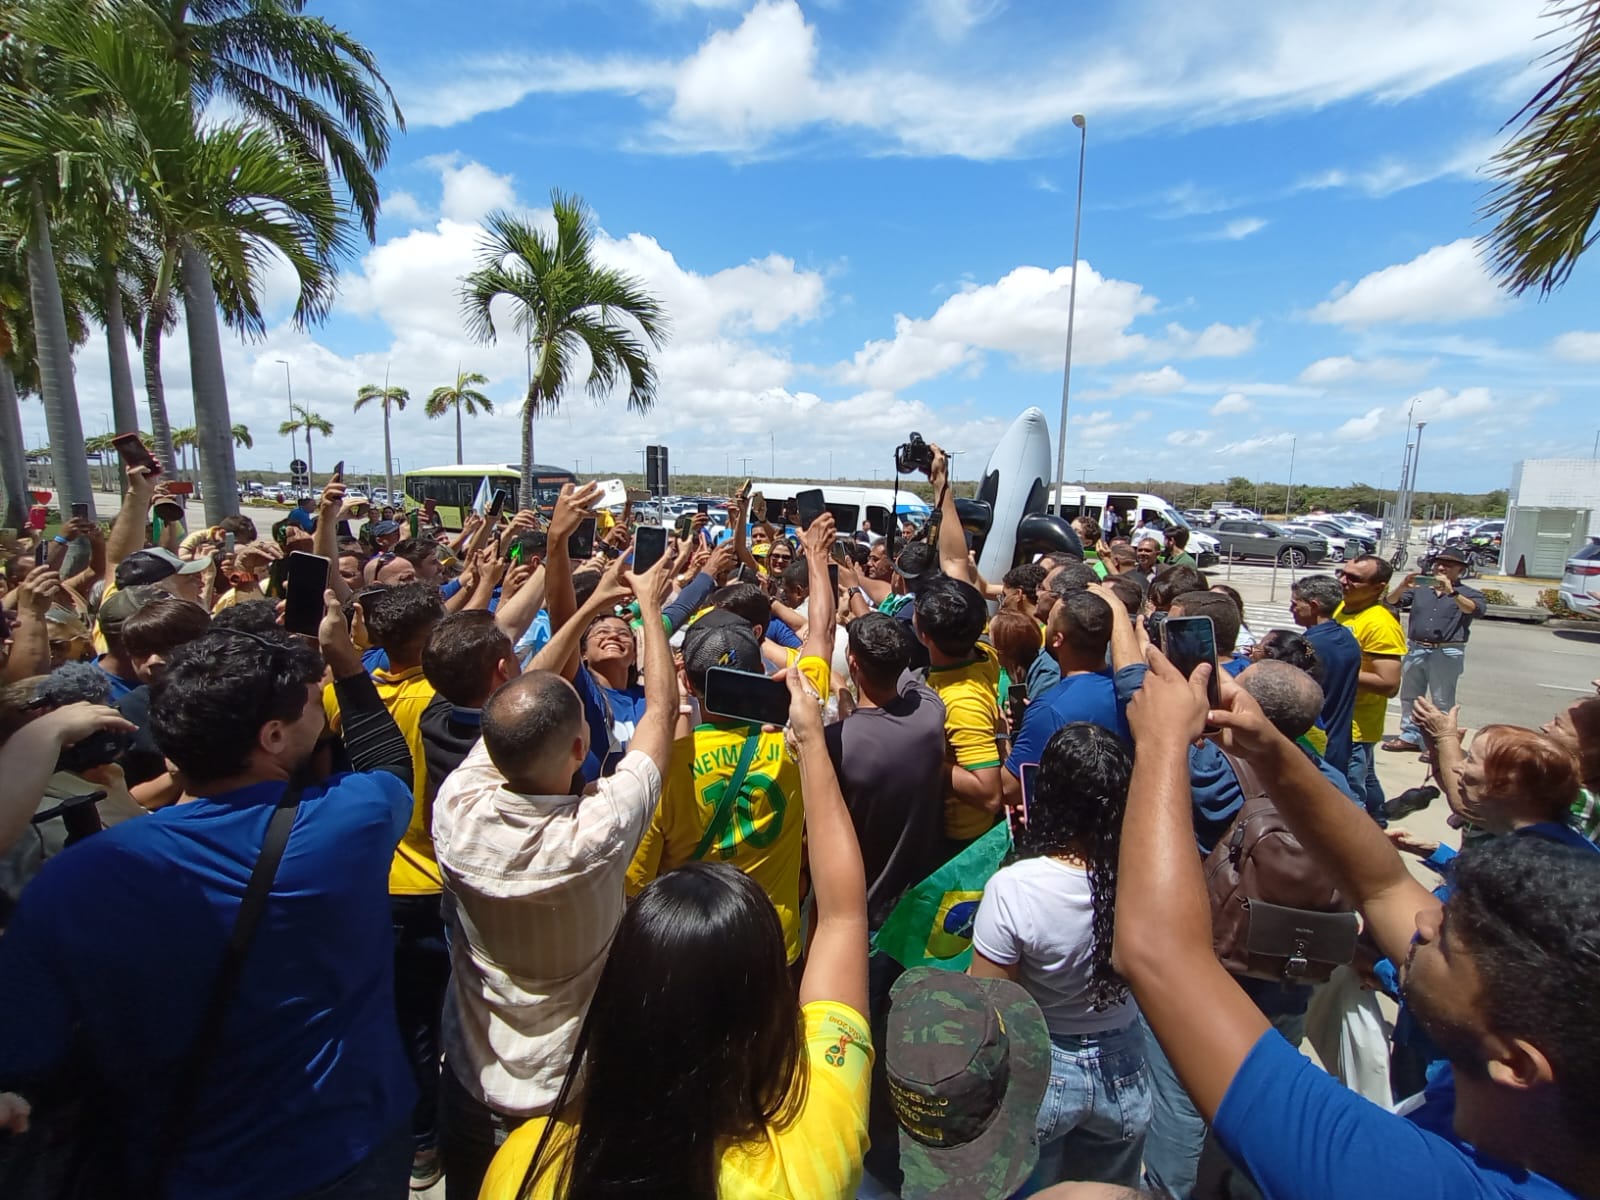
(932, 924)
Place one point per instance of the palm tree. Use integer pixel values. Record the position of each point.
(388, 397)
(183, 441)
(310, 422)
(463, 395)
(563, 302)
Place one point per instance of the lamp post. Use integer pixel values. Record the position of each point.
(289, 384)
(1072, 307)
(1288, 496)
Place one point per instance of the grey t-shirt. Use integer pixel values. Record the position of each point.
(890, 762)
(1036, 915)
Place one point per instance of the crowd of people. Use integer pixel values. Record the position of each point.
(495, 880)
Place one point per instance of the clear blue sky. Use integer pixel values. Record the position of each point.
(860, 218)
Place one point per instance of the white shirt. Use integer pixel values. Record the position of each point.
(533, 896)
(1036, 915)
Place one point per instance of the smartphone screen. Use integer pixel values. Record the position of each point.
(833, 576)
(581, 543)
(746, 697)
(1188, 642)
(229, 542)
(41, 553)
(135, 453)
(1421, 581)
(307, 580)
(1018, 816)
(338, 472)
(497, 503)
(703, 508)
(80, 512)
(810, 505)
(649, 547)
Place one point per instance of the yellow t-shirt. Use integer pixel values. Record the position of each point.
(1379, 635)
(414, 871)
(816, 1156)
(765, 835)
(970, 693)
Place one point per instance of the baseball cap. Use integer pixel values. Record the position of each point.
(121, 605)
(720, 639)
(154, 565)
(385, 528)
(968, 1061)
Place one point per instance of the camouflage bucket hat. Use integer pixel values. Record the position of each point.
(968, 1061)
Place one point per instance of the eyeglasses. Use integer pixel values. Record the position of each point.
(1349, 578)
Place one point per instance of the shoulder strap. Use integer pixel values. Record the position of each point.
(730, 793)
(191, 1071)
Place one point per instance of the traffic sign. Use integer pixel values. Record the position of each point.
(298, 467)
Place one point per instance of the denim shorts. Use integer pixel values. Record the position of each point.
(1096, 1108)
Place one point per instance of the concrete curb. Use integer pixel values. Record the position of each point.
(1580, 626)
(1517, 612)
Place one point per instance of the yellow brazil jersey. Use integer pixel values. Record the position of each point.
(414, 871)
(970, 692)
(1379, 635)
(816, 1156)
(764, 836)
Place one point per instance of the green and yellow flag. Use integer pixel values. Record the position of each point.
(932, 924)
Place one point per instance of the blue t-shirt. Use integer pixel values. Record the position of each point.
(118, 941)
(627, 709)
(1303, 1135)
(597, 712)
(1043, 674)
(1091, 698)
(120, 687)
(302, 518)
(1340, 655)
(449, 588)
(778, 632)
(535, 639)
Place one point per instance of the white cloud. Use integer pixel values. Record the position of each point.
(1345, 369)
(1252, 445)
(1446, 283)
(403, 206)
(1237, 230)
(1155, 383)
(952, 20)
(1188, 437)
(1392, 175)
(1232, 403)
(1363, 428)
(1024, 315)
(1434, 404)
(1579, 345)
(470, 189)
(743, 87)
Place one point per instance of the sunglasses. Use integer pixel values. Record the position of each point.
(1349, 578)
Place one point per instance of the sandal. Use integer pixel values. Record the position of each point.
(1400, 745)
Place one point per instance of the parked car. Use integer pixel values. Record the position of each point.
(1343, 544)
(1580, 583)
(1260, 539)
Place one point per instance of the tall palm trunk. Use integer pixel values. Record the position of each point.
(213, 424)
(155, 392)
(388, 459)
(56, 386)
(13, 454)
(528, 499)
(459, 459)
(124, 405)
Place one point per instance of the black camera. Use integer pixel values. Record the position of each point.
(915, 455)
(1152, 626)
(96, 750)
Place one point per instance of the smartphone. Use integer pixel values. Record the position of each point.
(338, 472)
(135, 453)
(80, 511)
(1018, 817)
(41, 554)
(229, 542)
(682, 526)
(1188, 642)
(833, 576)
(497, 503)
(1421, 581)
(744, 696)
(306, 581)
(649, 547)
(581, 543)
(703, 507)
(810, 506)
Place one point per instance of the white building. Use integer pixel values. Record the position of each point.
(1554, 504)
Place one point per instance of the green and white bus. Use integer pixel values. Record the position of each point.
(453, 487)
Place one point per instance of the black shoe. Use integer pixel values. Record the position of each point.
(1409, 801)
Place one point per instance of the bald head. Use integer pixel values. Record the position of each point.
(534, 731)
(1288, 697)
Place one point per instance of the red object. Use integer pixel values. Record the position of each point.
(180, 487)
(38, 517)
(42, 497)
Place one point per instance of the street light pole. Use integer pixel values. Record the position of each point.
(288, 383)
(1072, 308)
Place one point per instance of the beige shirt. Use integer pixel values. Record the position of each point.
(533, 895)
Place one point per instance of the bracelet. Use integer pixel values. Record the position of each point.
(60, 541)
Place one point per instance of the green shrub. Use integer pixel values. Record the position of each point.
(1496, 596)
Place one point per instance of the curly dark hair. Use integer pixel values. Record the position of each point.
(1077, 806)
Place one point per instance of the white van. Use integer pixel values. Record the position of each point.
(1137, 508)
(850, 505)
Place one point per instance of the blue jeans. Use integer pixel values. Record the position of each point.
(1432, 669)
(1363, 777)
(1092, 1122)
(384, 1174)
